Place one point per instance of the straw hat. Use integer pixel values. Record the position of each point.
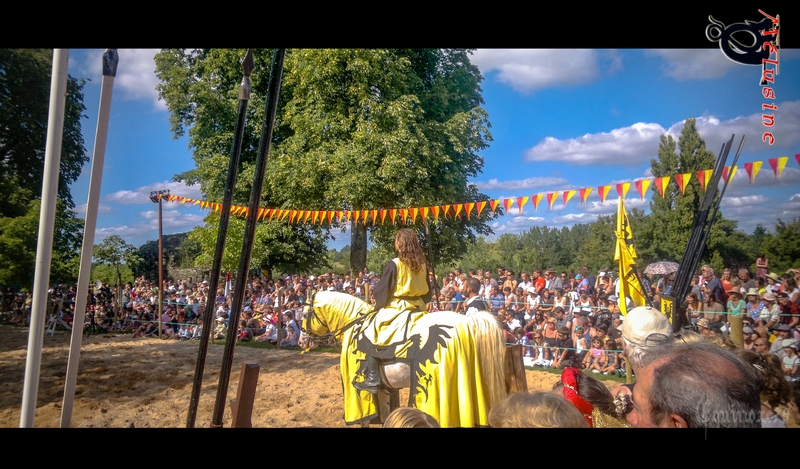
(774, 276)
(752, 292)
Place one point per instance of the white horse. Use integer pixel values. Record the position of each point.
(453, 364)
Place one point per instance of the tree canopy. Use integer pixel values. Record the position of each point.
(356, 129)
(25, 76)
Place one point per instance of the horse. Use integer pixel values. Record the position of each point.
(452, 363)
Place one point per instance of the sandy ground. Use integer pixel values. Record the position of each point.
(148, 383)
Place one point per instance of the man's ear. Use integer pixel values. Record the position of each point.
(676, 421)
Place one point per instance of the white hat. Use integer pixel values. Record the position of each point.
(311, 277)
(645, 326)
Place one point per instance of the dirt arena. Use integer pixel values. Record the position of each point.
(148, 383)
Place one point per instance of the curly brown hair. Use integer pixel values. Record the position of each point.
(409, 250)
(774, 387)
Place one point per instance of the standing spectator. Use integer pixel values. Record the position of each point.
(747, 282)
(762, 266)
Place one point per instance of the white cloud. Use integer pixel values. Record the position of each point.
(639, 142)
(81, 209)
(528, 183)
(575, 218)
(693, 64)
(174, 221)
(141, 195)
(715, 132)
(627, 145)
(528, 70)
(136, 78)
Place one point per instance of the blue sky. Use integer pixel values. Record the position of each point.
(561, 119)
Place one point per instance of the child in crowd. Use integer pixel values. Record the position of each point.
(522, 339)
(597, 359)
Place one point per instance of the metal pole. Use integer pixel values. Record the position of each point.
(110, 61)
(160, 267)
(44, 246)
(225, 214)
(250, 231)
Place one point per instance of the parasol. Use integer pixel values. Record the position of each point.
(662, 268)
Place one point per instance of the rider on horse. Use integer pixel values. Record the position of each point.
(403, 288)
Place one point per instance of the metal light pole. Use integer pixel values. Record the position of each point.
(156, 197)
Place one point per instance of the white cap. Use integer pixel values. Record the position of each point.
(645, 326)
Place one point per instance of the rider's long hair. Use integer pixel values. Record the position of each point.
(408, 249)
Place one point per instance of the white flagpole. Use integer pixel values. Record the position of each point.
(44, 246)
(110, 61)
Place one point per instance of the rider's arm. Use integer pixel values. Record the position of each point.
(386, 285)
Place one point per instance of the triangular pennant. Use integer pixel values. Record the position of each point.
(468, 207)
(725, 171)
(435, 209)
(285, 214)
(315, 216)
(551, 199)
(393, 215)
(507, 203)
(661, 185)
(568, 195)
(446, 209)
(374, 217)
(383, 216)
(493, 203)
(424, 211)
(260, 213)
(520, 203)
(403, 215)
(704, 175)
(602, 191)
(480, 206)
(458, 208)
(682, 180)
(364, 216)
(584, 193)
(272, 213)
(777, 165)
(330, 217)
(797, 157)
(535, 199)
(307, 215)
(641, 186)
(349, 215)
(752, 170)
(622, 189)
(195, 202)
(340, 216)
(356, 215)
(414, 212)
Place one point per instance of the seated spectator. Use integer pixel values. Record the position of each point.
(541, 351)
(791, 362)
(564, 351)
(536, 410)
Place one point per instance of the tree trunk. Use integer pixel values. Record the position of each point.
(358, 246)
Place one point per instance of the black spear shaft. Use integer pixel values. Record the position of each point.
(697, 240)
(275, 76)
(433, 267)
(222, 233)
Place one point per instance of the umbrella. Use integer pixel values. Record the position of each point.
(662, 268)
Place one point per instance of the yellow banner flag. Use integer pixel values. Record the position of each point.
(625, 255)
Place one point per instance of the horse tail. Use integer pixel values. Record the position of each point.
(490, 349)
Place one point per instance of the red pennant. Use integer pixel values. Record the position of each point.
(493, 204)
(446, 209)
(458, 208)
(602, 191)
(521, 203)
(435, 209)
(551, 199)
(468, 207)
(507, 203)
(535, 199)
(584, 193)
(480, 206)
(424, 211)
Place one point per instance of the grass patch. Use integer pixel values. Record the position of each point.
(597, 376)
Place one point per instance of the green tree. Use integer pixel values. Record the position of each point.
(115, 252)
(665, 233)
(782, 249)
(356, 129)
(18, 238)
(24, 103)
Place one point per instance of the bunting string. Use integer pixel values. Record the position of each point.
(409, 215)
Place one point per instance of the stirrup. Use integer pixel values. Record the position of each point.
(363, 386)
